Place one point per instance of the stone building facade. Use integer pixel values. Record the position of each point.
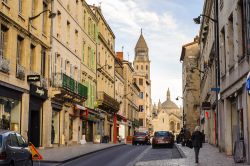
(24, 51)
(191, 84)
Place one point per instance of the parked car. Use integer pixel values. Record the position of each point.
(14, 149)
(163, 138)
(141, 138)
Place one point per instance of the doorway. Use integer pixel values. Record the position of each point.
(35, 127)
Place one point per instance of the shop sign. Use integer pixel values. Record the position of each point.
(206, 105)
(38, 91)
(33, 78)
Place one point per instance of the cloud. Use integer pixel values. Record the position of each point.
(167, 25)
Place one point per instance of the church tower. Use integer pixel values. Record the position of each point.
(142, 78)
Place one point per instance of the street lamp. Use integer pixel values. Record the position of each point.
(100, 68)
(217, 63)
(195, 68)
(183, 114)
(51, 15)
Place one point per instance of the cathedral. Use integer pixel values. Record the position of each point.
(167, 117)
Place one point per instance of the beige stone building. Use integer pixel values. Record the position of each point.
(106, 76)
(167, 117)
(142, 78)
(24, 51)
(73, 72)
(191, 84)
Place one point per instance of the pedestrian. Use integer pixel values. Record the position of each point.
(197, 139)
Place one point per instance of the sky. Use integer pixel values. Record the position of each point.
(166, 26)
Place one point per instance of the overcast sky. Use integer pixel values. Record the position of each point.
(166, 26)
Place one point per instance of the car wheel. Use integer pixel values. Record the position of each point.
(12, 163)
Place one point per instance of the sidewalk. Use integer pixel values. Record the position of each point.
(65, 154)
(209, 156)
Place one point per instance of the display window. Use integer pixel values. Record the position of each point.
(10, 112)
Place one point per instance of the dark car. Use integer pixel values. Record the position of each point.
(141, 138)
(163, 138)
(13, 149)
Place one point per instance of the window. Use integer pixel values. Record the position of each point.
(13, 140)
(141, 122)
(44, 26)
(142, 67)
(84, 19)
(20, 6)
(141, 95)
(135, 80)
(141, 109)
(230, 41)
(146, 67)
(162, 120)
(89, 57)
(178, 126)
(140, 81)
(68, 32)
(20, 140)
(3, 41)
(43, 61)
(136, 67)
(32, 57)
(83, 45)
(19, 50)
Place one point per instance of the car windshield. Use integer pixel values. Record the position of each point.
(140, 134)
(161, 133)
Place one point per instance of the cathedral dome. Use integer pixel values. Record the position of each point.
(168, 104)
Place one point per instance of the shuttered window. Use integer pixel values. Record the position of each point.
(247, 15)
(3, 41)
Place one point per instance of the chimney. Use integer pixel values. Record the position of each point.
(119, 55)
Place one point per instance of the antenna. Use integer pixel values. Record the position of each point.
(100, 4)
(122, 48)
(128, 56)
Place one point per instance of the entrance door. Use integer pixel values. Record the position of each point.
(89, 132)
(35, 128)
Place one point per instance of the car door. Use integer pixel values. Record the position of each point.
(25, 155)
(16, 150)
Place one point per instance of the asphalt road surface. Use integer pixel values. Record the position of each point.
(126, 155)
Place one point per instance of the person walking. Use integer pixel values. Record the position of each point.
(197, 139)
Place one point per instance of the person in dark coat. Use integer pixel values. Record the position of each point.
(197, 139)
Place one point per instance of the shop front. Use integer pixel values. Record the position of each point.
(55, 123)
(121, 120)
(37, 97)
(10, 109)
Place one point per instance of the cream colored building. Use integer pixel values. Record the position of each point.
(106, 75)
(142, 78)
(24, 50)
(73, 72)
(167, 117)
(191, 84)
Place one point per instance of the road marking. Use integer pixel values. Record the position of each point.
(132, 163)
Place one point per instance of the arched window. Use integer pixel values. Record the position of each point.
(142, 67)
(178, 126)
(172, 128)
(146, 67)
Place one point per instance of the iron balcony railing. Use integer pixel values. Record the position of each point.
(61, 80)
(20, 72)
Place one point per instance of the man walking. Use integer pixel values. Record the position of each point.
(197, 139)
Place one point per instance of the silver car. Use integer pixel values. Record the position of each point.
(13, 149)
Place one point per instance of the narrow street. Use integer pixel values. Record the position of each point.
(122, 156)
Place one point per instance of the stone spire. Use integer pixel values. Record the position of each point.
(168, 94)
(141, 49)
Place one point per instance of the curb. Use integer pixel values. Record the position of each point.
(76, 157)
(180, 151)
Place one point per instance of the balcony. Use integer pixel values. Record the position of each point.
(70, 87)
(107, 103)
(20, 72)
(4, 65)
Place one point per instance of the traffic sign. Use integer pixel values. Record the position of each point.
(34, 152)
(215, 89)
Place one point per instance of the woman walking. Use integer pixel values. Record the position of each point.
(197, 139)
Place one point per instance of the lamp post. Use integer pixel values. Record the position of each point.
(51, 15)
(100, 68)
(183, 114)
(217, 63)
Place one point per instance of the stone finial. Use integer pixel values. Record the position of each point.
(168, 94)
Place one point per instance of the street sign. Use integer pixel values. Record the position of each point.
(34, 152)
(33, 78)
(215, 89)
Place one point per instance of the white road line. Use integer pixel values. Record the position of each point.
(132, 163)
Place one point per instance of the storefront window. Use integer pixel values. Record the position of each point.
(10, 114)
(55, 127)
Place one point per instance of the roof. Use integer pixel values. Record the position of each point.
(183, 51)
(141, 43)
